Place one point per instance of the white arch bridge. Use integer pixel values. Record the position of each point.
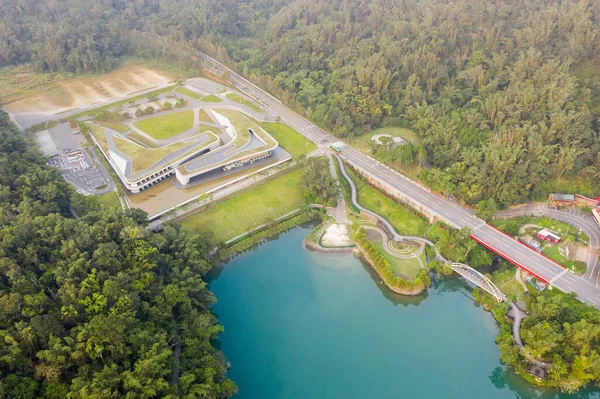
(479, 280)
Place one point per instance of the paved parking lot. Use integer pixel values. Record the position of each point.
(75, 162)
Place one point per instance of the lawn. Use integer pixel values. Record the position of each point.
(187, 92)
(363, 142)
(206, 128)
(404, 221)
(552, 252)
(402, 267)
(142, 139)
(98, 133)
(165, 126)
(117, 127)
(211, 99)
(204, 117)
(243, 101)
(289, 138)
(249, 209)
(241, 124)
(144, 158)
(564, 230)
(110, 200)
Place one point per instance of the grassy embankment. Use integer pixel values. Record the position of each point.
(249, 209)
(110, 200)
(197, 96)
(118, 127)
(205, 128)
(403, 219)
(289, 138)
(203, 116)
(21, 81)
(238, 99)
(117, 104)
(406, 268)
(165, 126)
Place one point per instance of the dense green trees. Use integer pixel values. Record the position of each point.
(318, 185)
(560, 330)
(99, 306)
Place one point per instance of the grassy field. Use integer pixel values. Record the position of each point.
(142, 157)
(402, 267)
(247, 210)
(289, 138)
(187, 92)
(211, 99)
(241, 123)
(116, 126)
(207, 128)
(508, 284)
(21, 81)
(98, 133)
(564, 230)
(553, 253)
(243, 101)
(110, 200)
(404, 221)
(203, 116)
(142, 139)
(165, 126)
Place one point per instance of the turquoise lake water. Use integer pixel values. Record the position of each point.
(305, 325)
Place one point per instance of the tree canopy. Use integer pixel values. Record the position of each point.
(100, 306)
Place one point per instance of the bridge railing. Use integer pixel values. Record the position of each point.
(478, 279)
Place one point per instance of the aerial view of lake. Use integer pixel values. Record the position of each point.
(306, 325)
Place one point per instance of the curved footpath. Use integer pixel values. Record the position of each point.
(396, 237)
(518, 315)
(582, 221)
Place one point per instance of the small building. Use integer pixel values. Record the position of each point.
(537, 371)
(546, 235)
(557, 199)
(74, 128)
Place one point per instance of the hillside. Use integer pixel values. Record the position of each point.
(504, 95)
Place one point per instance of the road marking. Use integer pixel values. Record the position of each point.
(559, 276)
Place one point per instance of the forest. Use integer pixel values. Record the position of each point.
(97, 306)
(560, 330)
(505, 94)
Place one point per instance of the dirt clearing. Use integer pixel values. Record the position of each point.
(79, 93)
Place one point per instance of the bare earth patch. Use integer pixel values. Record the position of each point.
(336, 235)
(79, 93)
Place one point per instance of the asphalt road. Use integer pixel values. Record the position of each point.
(451, 213)
(582, 221)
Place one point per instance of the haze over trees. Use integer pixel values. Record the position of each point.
(506, 95)
(97, 307)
